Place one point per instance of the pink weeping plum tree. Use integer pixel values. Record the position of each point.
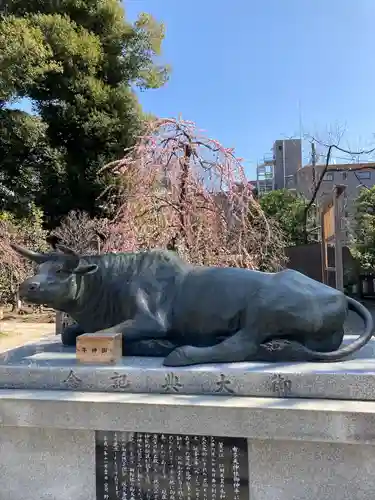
(180, 190)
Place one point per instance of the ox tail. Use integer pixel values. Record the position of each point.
(346, 350)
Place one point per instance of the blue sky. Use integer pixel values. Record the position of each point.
(246, 71)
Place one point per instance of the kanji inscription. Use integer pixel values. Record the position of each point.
(145, 466)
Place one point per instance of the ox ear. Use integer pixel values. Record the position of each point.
(83, 269)
(37, 257)
(66, 250)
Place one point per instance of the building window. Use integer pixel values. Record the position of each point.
(328, 177)
(364, 174)
(280, 147)
(345, 175)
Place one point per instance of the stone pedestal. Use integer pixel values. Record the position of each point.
(49, 365)
(309, 428)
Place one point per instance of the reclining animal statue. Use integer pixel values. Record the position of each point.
(190, 314)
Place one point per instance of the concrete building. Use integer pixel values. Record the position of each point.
(265, 176)
(308, 176)
(279, 170)
(354, 180)
(287, 156)
(283, 170)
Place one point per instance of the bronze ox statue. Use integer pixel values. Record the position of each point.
(190, 314)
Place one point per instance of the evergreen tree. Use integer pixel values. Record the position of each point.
(78, 61)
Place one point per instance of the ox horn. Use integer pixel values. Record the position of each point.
(66, 250)
(83, 269)
(37, 257)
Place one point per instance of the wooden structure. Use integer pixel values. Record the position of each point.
(331, 234)
(99, 348)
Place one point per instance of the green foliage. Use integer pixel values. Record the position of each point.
(30, 230)
(27, 231)
(363, 244)
(78, 61)
(288, 208)
(26, 160)
(24, 56)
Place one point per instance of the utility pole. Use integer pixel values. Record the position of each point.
(284, 169)
(313, 166)
(313, 163)
(337, 206)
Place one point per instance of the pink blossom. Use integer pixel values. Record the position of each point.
(188, 193)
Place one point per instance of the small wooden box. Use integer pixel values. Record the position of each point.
(99, 348)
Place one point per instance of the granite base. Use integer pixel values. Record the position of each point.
(297, 449)
(46, 464)
(310, 427)
(48, 365)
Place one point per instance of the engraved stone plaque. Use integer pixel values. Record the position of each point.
(141, 466)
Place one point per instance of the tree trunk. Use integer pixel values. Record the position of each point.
(180, 239)
(16, 303)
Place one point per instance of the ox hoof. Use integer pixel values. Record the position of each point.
(179, 357)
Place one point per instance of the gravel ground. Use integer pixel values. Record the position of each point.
(14, 333)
